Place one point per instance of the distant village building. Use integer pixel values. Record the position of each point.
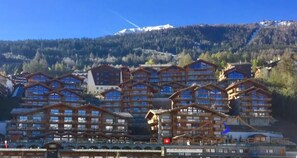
(6, 85)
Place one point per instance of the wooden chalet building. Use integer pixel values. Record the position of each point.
(251, 101)
(190, 124)
(154, 78)
(141, 74)
(111, 100)
(39, 95)
(210, 96)
(61, 122)
(38, 77)
(172, 74)
(200, 72)
(234, 73)
(35, 95)
(137, 97)
(72, 82)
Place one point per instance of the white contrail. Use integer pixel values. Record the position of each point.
(125, 19)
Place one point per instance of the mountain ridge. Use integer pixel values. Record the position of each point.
(130, 49)
(144, 29)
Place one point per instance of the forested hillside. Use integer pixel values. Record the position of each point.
(247, 41)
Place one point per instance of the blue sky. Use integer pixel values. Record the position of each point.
(52, 19)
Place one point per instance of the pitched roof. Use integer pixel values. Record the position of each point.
(249, 90)
(233, 69)
(69, 90)
(140, 69)
(38, 73)
(71, 75)
(38, 83)
(172, 66)
(184, 89)
(200, 60)
(234, 84)
(110, 90)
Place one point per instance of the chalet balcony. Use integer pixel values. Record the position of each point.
(257, 105)
(255, 99)
(193, 114)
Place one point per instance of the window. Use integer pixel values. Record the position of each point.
(36, 133)
(67, 126)
(94, 120)
(68, 112)
(81, 127)
(54, 126)
(22, 126)
(108, 128)
(23, 118)
(54, 119)
(121, 128)
(36, 126)
(95, 113)
(94, 126)
(55, 111)
(121, 121)
(67, 119)
(82, 112)
(81, 119)
(36, 118)
(109, 121)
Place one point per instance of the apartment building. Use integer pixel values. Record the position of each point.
(111, 100)
(42, 90)
(62, 122)
(200, 72)
(210, 96)
(251, 101)
(172, 74)
(137, 97)
(190, 124)
(104, 77)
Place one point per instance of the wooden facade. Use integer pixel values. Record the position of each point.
(252, 101)
(37, 78)
(137, 97)
(40, 94)
(62, 122)
(191, 124)
(141, 74)
(210, 96)
(200, 72)
(231, 75)
(172, 74)
(112, 100)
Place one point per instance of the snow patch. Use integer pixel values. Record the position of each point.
(144, 29)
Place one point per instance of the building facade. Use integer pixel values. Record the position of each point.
(200, 72)
(61, 122)
(191, 124)
(252, 101)
(103, 78)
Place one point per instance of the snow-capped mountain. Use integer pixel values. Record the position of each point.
(266, 23)
(144, 29)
